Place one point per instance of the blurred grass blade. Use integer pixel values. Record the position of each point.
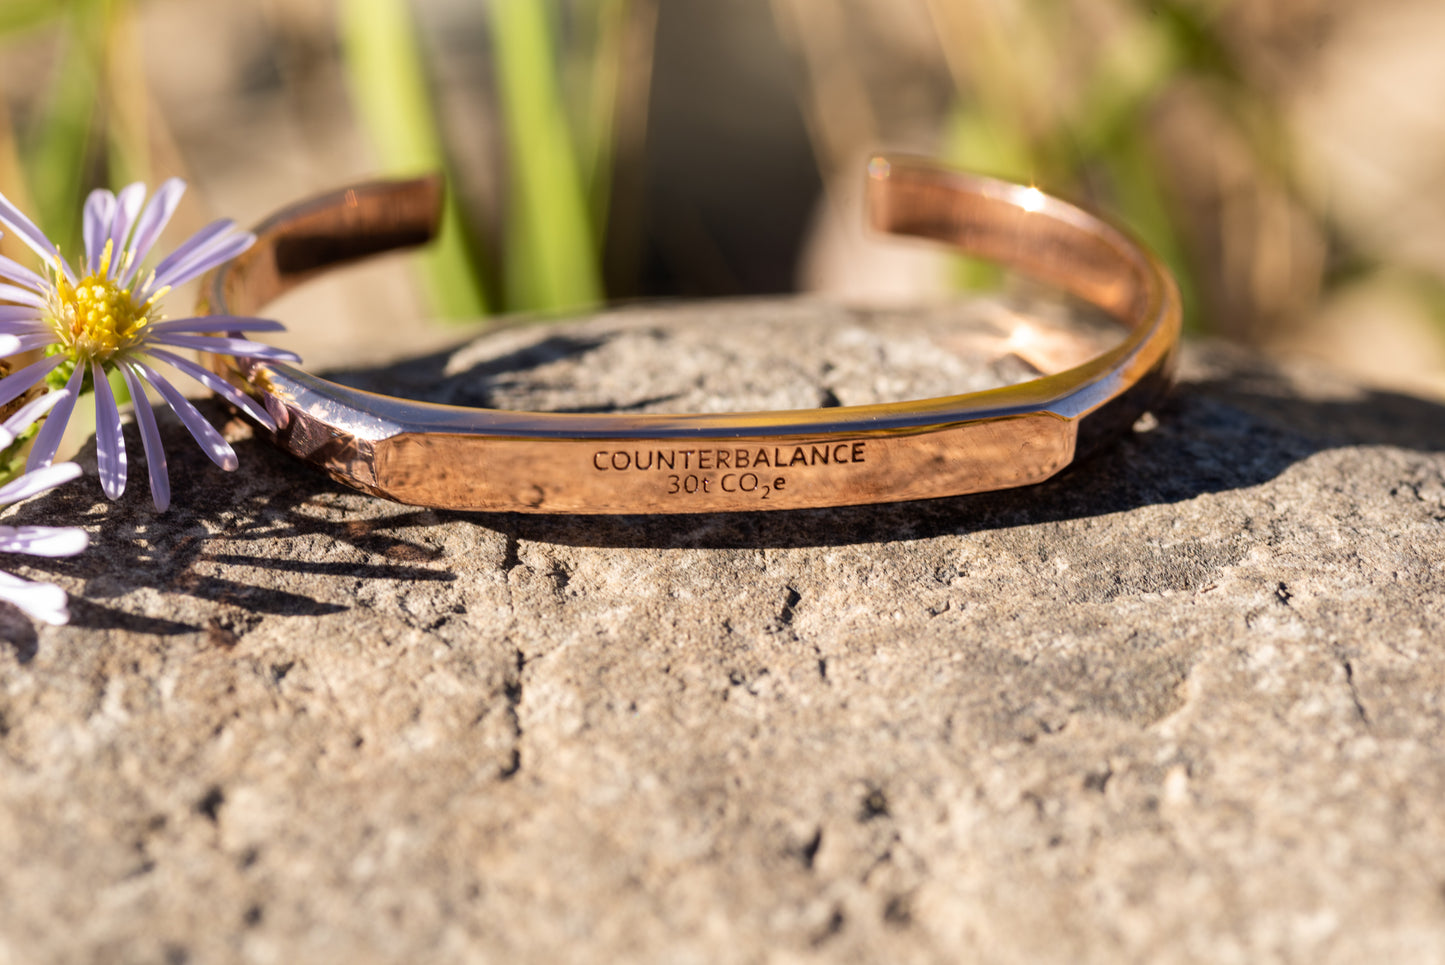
(1129, 76)
(57, 160)
(17, 15)
(977, 141)
(127, 100)
(597, 129)
(1143, 205)
(551, 257)
(14, 182)
(389, 86)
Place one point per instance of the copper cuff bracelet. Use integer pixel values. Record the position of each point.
(555, 462)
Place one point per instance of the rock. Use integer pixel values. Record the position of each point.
(1183, 702)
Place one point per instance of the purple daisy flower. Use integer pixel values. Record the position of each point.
(41, 601)
(106, 318)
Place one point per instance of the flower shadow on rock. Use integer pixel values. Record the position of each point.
(242, 541)
(20, 632)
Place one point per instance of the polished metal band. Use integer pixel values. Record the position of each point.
(551, 462)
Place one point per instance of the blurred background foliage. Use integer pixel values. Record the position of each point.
(1284, 157)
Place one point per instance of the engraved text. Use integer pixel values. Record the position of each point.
(705, 460)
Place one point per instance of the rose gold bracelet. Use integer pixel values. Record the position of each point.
(555, 462)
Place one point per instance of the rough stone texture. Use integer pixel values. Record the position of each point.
(1183, 702)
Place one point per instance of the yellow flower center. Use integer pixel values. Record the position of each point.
(97, 319)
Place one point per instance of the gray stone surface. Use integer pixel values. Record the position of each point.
(1182, 703)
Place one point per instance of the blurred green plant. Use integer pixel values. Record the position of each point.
(552, 258)
(390, 87)
(1037, 103)
(1010, 119)
(558, 150)
(1042, 92)
(558, 145)
(1144, 108)
(18, 15)
(57, 152)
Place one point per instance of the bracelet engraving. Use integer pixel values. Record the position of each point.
(742, 471)
(747, 483)
(703, 460)
(576, 475)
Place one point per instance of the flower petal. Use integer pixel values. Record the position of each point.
(10, 313)
(150, 438)
(127, 206)
(12, 218)
(15, 272)
(196, 242)
(195, 257)
(21, 296)
(26, 415)
(37, 481)
(99, 212)
(153, 220)
(211, 441)
(47, 440)
(28, 341)
(109, 443)
(33, 326)
(15, 385)
(43, 540)
(239, 347)
(218, 385)
(218, 323)
(9, 344)
(39, 601)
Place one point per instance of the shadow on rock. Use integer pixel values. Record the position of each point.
(1226, 431)
(269, 504)
(429, 376)
(19, 632)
